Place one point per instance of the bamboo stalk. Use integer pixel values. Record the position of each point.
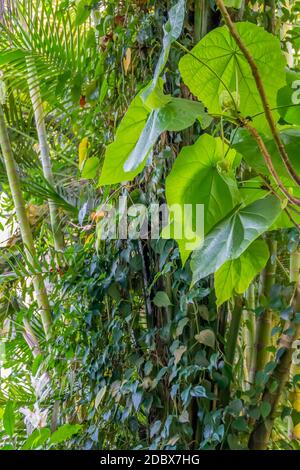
(294, 431)
(232, 340)
(249, 331)
(261, 433)
(234, 330)
(14, 184)
(264, 323)
(200, 19)
(270, 17)
(37, 105)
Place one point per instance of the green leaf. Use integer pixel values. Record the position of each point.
(64, 432)
(127, 136)
(172, 31)
(232, 236)
(199, 391)
(252, 189)
(233, 3)
(138, 131)
(174, 116)
(265, 409)
(100, 396)
(178, 353)
(180, 114)
(36, 439)
(198, 177)
(38, 360)
(148, 367)
(10, 56)
(161, 299)
(155, 428)
(240, 424)
(90, 168)
(216, 66)
(180, 327)
(83, 11)
(234, 443)
(157, 98)
(290, 137)
(9, 419)
(206, 337)
(137, 399)
(236, 274)
(288, 99)
(204, 312)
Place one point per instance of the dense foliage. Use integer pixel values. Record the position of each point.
(173, 342)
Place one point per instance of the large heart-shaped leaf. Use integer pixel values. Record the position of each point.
(174, 116)
(198, 176)
(126, 138)
(138, 132)
(235, 275)
(232, 236)
(217, 65)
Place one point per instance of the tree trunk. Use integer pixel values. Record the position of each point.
(201, 11)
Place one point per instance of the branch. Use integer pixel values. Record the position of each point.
(269, 163)
(286, 210)
(260, 87)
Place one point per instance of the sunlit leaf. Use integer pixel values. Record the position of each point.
(202, 174)
(235, 275)
(216, 65)
(232, 236)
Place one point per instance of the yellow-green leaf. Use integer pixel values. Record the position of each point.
(235, 275)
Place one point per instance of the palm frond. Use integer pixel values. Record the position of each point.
(40, 33)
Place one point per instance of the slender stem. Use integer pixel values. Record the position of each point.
(277, 107)
(14, 183)
(37, 105)
(232, 340)
(250, 328)
(264, 322)
(270, 17)
(269, 163)
(200, 19)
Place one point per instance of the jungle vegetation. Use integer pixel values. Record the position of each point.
(142, 342)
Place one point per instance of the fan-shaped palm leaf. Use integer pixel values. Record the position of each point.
(42, 33)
